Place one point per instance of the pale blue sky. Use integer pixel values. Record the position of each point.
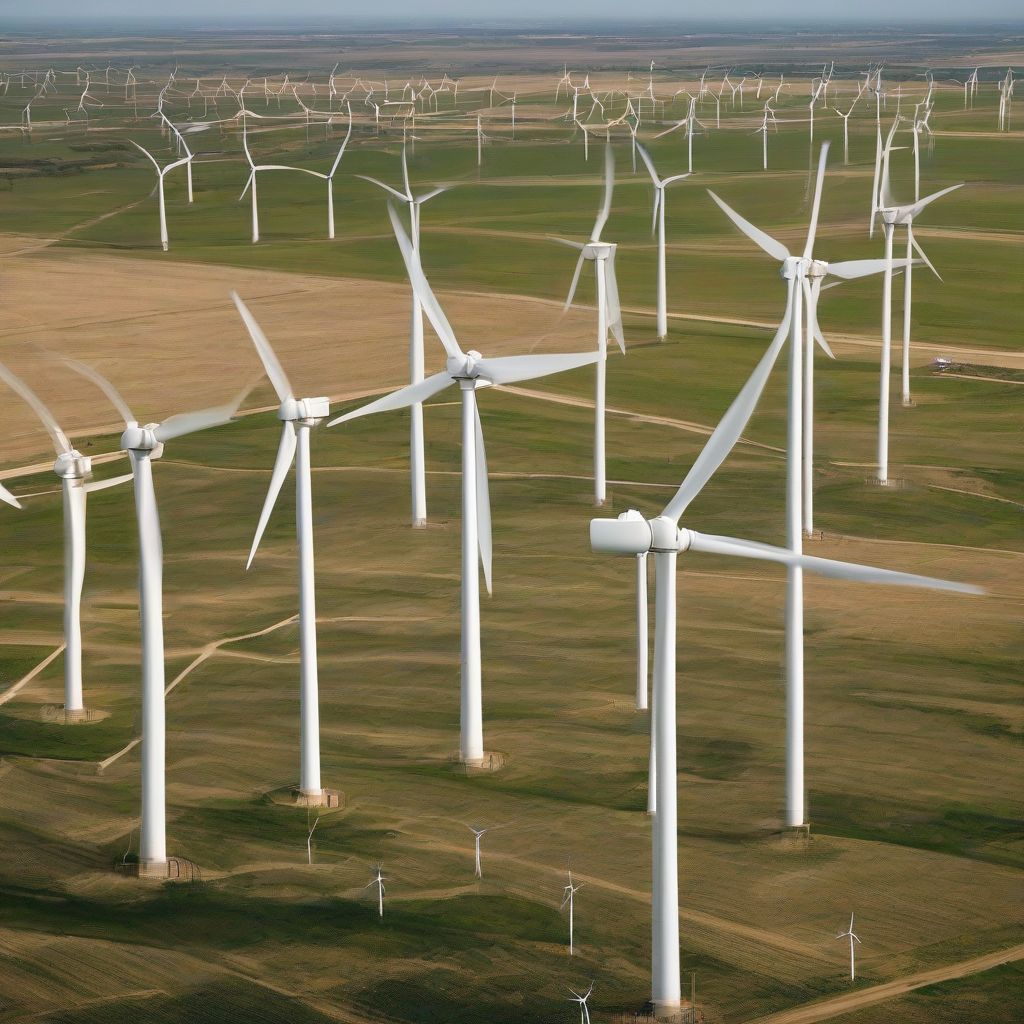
(477, 11)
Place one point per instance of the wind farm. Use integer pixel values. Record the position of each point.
(743, 316)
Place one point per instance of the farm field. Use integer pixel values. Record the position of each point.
(913, 724)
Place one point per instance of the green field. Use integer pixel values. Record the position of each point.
(914, 729)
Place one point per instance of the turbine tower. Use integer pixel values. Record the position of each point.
(893, 214)
(417, 457)
(658, 225)
(798, 271)
(849, 933)
(73, 469)
(143, 444)
(609, 313)
(663, 536)
(470, 371)
(298, 417)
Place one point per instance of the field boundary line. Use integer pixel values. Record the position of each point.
(25, 680)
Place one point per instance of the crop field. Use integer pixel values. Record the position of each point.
(914, 727)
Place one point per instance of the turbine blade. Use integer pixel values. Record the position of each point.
(822, 566)
(850, 269)
(483, 507)
(387, 188)
(421, 286)
(612, 301)
(760, 238)
(606, 201)
(183, 423)
(283, 462)
(732, 424)
(649, 165)
(924, 257)
(575, 280)
(266, 352)
(401, 399)
(5, 495)
(101, 485)
(105, 386)
(60, 440)
(509, 369)
(913, 211)
(816, 205)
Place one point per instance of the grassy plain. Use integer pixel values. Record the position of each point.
(913, 720)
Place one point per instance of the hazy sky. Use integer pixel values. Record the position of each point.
(478, 11)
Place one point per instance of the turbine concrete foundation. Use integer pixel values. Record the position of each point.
(492, 761)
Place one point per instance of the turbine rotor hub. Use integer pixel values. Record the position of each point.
(142, 439)
(464, 366)
(72, 465)
(304, 410)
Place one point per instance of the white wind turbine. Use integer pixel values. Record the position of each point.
(609, 313)
(180, 144)
(74, 469)
(658, 225)
(378, 881)
(298, 418)
(568, 900)
(478, 834)
(846, 129)
(143, 444)
(689, 121)
(799, 272)
(663, 536)
(250, 183)
(417, 457)
(161, 173)
(470, 371)
(849, 933)
(582, 1000)
(893, 214)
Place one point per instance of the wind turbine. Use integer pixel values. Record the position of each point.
(143, 444)
(846, 129)
(478, 834)
(74, 469)
(10, 499)
(658, 224)
(250, 183)
(893, 214)
(663, 536)
(570, 891)
(298, 417)
(795, 271)
(161, 173)
(180, 144)
(379, 882)
(849, 933)
(609, 313)
(417, 457)
(470, 371)
(582, 1000)
(690, 120)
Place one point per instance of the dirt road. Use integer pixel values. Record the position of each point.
(850, 1001)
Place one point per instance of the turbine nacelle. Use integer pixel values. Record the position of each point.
(466, 366)
(304, 409)
(817, 268)
(598, 250)
(73, 465)
(794, 266)
(142, 439)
